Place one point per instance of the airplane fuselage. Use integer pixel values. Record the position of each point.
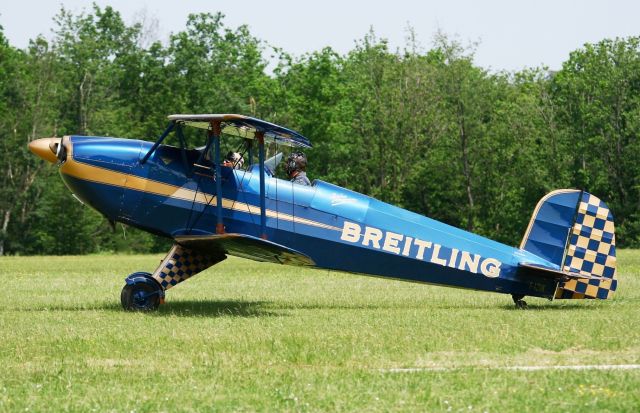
(337, 228)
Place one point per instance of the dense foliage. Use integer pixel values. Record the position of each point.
(427, 130)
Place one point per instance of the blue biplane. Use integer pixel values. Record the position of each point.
(211, 211)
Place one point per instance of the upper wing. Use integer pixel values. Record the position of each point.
(244, 127)
(246, 246)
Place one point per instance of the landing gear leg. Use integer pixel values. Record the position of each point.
(145, 292)
(518, 301)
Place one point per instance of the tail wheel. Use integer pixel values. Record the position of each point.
(518, 301)
(141, 293)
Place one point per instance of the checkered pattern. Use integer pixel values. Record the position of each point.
(182, 263)
(591, 251)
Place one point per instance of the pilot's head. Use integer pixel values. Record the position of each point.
(296, 162)
(233, 160)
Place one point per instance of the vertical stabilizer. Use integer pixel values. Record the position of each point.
(574, 230)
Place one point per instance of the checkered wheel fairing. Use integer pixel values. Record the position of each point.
(591, 251)
(182, 263)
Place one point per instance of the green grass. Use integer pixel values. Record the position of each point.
(246, 336)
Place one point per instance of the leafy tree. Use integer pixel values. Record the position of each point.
(29, 90)
(597, 94)
(99, 69)
(428, 130)
(214, 68)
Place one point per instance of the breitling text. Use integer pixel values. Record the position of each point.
(407, 246)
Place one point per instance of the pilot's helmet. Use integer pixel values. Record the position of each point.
(297, 161)
(234, 160)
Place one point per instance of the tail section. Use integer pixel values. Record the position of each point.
(574, 230)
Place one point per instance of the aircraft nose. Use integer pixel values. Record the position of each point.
(45, 148)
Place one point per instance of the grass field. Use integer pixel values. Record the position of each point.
(245, 336)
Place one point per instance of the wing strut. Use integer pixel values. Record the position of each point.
(214, 133)
(250, 150)
(263, 197)
(159, 141)
(183, 149)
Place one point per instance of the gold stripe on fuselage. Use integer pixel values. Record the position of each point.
(101, 175)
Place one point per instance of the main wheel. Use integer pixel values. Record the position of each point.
(141, 293)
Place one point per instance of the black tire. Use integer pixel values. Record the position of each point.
(140, 296)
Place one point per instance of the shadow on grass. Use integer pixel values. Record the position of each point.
(210, 308)
(340, 306)
(555, 307)
(268, 309)
(225, 308)
(188, 308)
(240, 308)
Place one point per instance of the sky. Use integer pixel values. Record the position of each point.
(510, 35)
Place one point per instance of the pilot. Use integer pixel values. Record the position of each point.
(296, 167)
(233, 160)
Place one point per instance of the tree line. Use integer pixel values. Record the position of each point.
(425, 129)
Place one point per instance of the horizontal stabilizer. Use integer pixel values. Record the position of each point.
(546, 272)
(246, 246)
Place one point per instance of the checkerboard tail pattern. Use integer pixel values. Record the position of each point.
(591, 250)
(182, 263)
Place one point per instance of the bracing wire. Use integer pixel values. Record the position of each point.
(276, 198)
(209, 201)
(242, 149)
